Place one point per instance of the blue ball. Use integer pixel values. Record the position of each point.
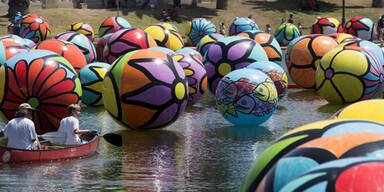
(242, 24)
(246, 97)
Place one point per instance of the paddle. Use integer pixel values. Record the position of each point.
(60, 137)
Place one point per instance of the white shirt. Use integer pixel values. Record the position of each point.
(68, 125)
(20, 132)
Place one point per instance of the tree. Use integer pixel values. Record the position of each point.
(222, 4)
(194, 3)
(378, 3)
(18, 5)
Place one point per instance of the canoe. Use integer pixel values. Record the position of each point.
(49, 152)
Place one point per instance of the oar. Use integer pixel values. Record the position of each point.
(60, 137)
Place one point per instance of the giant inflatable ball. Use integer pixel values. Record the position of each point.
(35, 28)
(113, 24)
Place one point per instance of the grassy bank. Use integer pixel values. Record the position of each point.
(262, 11)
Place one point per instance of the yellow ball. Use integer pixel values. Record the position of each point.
(165, 36)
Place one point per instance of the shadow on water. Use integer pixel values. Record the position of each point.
(245, 133)
(329, 108)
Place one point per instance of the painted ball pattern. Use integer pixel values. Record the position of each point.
(35, 28)
(126, 40)
(112, 24)
(163, 49)
(300, 135)
(9, 48)
(350, 174)
(342, 37)
(170, 26)
(82, 42)
(145, 89)
(268, 42)
(286, 32)
(165, 36)
(368, 45)
(196, 76)
(197, 29)
(361, 27)
(207, 40)
(26, 42)
(319, 151)
(228, 54)
(246, 97)
(83, 28)
(275, 72)
(100, 46)
(91, 78)
(242, 24)
(349, 74)
(304, 56)
(370, 108)
(66, 49)
(43, 79)
(192, 51)
(326, 26)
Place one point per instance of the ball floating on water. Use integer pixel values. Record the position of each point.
(275, 72)
(145, 89)
(112, 24)
(165, 37)
(367, 110)
(43, 79)
(242, 24)
(91, 78)
(66, 49)
(303, 57)
(197, 29)
(228, 54)
(326, 26)
(35, 28)
(196, 76)
(83, 28)
(349, 74)
(361, 27)
(126, 40)
(286, 32)
(246, 97)
(298, 136)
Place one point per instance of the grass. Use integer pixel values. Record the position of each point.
(263, 12)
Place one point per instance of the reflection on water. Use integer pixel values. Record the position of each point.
(201, 151)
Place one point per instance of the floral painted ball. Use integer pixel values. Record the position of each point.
(91, 78)
(207, 40)
(112, 24)
(361, 27)
(242, 24)
(326, 26)
(191, 51)
(35, 28)
(126, 40)
(197, 29)
(145, 89)
(196, 75)
(82, 42)
(83, 28)
(45, 80)
(100, 46)
(286, 32)
(9, 48)
(228, 54)
(246, 97)
(165, 37)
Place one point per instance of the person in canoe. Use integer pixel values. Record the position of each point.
(21, 131)
(70, 126)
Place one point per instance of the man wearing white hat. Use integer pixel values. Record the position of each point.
(21, 131)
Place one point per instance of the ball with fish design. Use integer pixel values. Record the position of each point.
(45, 80)
(100, 46)
(275, 72)
(286, 32)
(66, 49)
(326, 26)
(268, 42)
(349, 74)
(192, 51)
(207, 40)
(196, 75)
(350, 174)
(303, 57)
(165, 37)
(361, 27)
(228, 54)
(298, 136)
(246, 97)
(35, 28)
(82, 42)
(83, 28)
(145, 89)
(9, 48)
(319, 151)
(113, 24)
(126, 40)
(91, 78)
(197, 28)
(242, 24)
